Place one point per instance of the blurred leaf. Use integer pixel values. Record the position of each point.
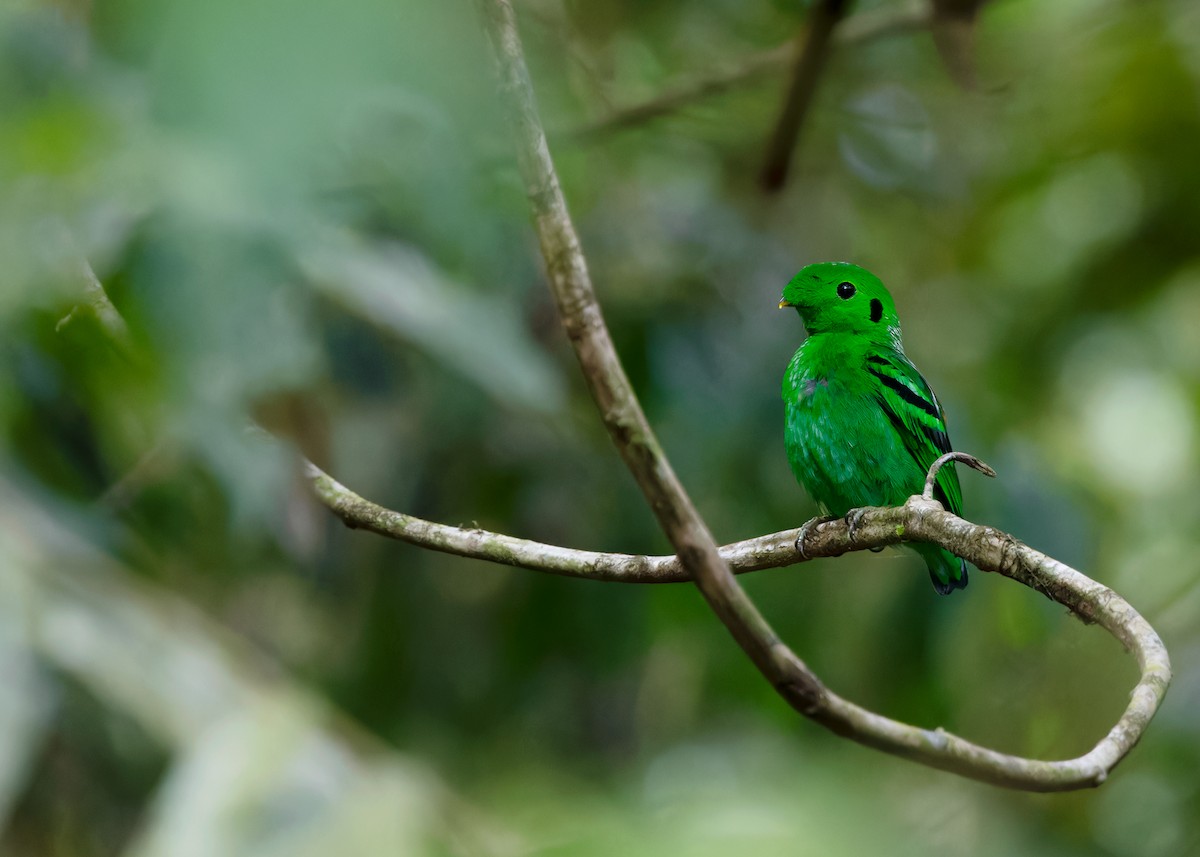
(886, 138)
(479, 335)
(28, 703)
(251, 745)
(307, 792)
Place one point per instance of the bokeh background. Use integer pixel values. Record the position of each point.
(308, 215)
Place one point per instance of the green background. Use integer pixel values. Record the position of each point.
(308, 214)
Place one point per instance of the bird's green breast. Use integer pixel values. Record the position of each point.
(840, 445)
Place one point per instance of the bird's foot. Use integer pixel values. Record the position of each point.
(853, 519)
(804, 531)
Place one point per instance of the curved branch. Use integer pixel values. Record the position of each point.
(919, 519)
(698, 554)
(942, 460)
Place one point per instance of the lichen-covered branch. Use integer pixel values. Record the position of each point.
(773, 551)
(700, 558)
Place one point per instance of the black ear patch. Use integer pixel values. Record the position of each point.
(876, 309)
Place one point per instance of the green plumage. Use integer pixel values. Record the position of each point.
(863, 426)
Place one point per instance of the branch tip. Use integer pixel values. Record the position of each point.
(965, 457)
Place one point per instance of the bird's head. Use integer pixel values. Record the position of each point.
(840, 297)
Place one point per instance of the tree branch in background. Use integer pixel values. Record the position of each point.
(806, 76)
(953, 28)
(698, 554)
(859, 29)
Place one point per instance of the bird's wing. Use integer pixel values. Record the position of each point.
(914, 411)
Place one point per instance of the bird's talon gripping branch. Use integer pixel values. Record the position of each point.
(806, 528)
(853, 519)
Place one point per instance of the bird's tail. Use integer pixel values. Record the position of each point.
(947, 571)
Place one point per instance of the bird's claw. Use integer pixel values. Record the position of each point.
(853, 519)
(804, 531)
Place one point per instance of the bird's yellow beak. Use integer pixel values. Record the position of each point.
(785, 304)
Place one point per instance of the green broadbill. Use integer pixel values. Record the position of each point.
(863, 426)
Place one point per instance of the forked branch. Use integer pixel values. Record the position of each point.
(700, 558)
(856, 30)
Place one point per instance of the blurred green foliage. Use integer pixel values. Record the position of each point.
(308, 214)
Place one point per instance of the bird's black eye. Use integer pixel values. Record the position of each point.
(846, 291)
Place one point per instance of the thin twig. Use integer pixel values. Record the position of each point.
(942, 460)
(98, 301)
(859, 29)
(953, 30)
(806, 76)
(101, 306)
(698, 554)
(110, 319)
(150, 467)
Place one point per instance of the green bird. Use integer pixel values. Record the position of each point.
(863, 426)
